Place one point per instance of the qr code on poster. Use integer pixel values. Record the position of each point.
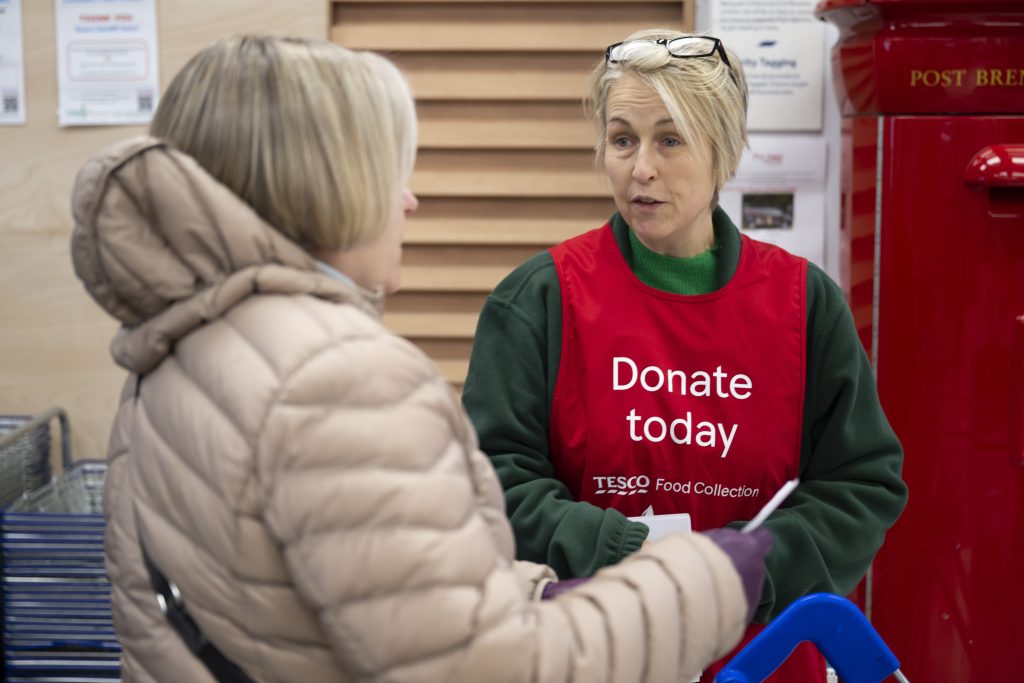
(145, 101)
(10, 103)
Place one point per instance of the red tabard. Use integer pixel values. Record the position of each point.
(667, 403)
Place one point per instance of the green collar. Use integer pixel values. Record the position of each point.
(689, 275)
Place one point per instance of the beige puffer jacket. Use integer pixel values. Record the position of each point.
(311, 484)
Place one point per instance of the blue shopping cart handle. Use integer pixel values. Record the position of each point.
(836, 627)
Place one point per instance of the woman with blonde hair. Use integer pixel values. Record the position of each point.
(293, 492)
(666, 367)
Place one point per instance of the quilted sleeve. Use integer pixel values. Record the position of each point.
(373, 493)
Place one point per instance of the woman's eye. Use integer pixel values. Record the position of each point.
(621, 141)
(672, 142)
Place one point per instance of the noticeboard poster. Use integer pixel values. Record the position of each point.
(107, 67)
(782, 48)
(12, 65)
(778, 194)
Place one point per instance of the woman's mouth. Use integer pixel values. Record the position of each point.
(645, 203)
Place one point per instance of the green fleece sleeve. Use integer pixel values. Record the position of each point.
(507, 394)
(851, 490)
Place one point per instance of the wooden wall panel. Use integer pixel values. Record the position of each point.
(490, 125)
(501, 173)
(505, 166)
(493, 26)
(499, 220)
(53, 338)
(504, 77)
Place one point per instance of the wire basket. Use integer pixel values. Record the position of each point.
(78, 490)
(25, 444)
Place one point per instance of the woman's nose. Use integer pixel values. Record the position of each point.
(644, 169)
(409, 201)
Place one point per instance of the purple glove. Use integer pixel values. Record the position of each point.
(747, 552)
(558, 587)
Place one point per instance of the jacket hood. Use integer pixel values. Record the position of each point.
(164, 247)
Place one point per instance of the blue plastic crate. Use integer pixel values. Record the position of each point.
(55, 597)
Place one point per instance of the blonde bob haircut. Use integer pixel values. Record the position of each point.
(706, 104)
(318, 139)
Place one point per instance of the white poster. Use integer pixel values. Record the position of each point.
(782, 47)
(106, 61)
(12, 65)
(778, 194)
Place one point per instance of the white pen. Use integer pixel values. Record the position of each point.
(770, 506)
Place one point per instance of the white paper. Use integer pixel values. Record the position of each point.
(663, 525)
(12, 65)
(778, 194)
(782, 47)
(107, 64)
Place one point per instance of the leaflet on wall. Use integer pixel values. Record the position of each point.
(12, 65)
(778, 194)
(107, 63)
(782, 47)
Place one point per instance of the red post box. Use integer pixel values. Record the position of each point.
(932, 95)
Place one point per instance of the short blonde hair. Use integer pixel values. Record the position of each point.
(707, 105)
(318, 139)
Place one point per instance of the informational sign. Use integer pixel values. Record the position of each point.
(781, 46)
(778, 194)
(12, 65)
(106, 61)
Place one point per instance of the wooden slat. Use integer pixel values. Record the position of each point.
(543, 76)
(451, 356)
(496, 125)
(440, 323)
(440, 349)
(336, 3)
(505, 26)
(462, 279)
(408, 300)
(459, 268)
(457, 255)
(454, 370)
(539, 222)
(484, 173)
(431, 325)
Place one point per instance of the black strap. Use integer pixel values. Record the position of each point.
(222, 668)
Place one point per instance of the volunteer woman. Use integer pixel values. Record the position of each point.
(664, 363)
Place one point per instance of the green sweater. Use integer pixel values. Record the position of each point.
(829, 530)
